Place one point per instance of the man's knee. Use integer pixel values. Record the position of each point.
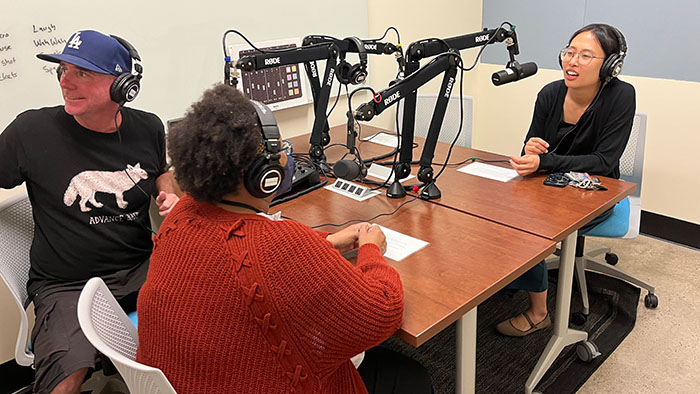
(72, 383)
(62, 353)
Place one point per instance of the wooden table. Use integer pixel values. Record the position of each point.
(468, 260)
(528, 205)
(524, 205)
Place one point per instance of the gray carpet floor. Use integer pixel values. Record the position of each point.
(504, 364)
(661, 352)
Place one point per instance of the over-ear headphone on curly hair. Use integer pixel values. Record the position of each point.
(612, 65)
(127, 85)
(353, 73)
(264, 175)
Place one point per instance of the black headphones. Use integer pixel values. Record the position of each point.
(264, 175)
(127, 85)
(612, 65)
(352, 73)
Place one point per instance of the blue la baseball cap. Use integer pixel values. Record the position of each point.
(93, 51)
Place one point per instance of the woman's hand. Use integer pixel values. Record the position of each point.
(347, 238)
(372, 234)
(536, 146)
(525, 165)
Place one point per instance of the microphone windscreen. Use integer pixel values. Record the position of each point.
(346, 169)
(529, 69)
(510, 75)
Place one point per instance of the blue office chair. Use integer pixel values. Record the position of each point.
(425, 104)
(624, 223)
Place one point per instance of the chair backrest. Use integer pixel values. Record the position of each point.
(631, 169)
(632, 160)
(16, 234)
(425, 104)
(107, 327)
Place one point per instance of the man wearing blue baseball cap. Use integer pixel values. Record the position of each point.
(90, 167)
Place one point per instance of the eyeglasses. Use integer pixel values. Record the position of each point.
(584, 58)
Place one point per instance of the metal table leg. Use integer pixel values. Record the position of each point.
(466, 353)
(563, 335)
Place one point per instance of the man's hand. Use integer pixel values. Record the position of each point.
(166, 202)
(346, 239)
(525, 165)
(536, 146)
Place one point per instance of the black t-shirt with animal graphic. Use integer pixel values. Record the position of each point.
(89, 216)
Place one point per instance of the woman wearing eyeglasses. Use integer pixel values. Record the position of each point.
(581, 123)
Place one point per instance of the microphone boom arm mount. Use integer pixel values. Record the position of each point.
(446, 63)
(430, 47)
(304, 54)
(344, 46)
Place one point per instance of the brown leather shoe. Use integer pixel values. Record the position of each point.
(507, 328)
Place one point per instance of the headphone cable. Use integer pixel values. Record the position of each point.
(365, 220)
(125, 164)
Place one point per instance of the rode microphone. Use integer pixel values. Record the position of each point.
(514, 72)
(349, 170)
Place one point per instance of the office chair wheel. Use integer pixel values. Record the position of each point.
(651, 301)
(578, 318)
(611, 258)
(587, 351)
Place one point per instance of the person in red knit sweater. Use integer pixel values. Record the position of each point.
(241, 301)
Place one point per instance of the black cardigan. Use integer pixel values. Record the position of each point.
(597, 141)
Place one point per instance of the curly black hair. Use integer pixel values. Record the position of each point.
(214, 143)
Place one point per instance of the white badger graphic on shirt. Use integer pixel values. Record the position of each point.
(87, 183)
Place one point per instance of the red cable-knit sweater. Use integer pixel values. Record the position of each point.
(240, 303)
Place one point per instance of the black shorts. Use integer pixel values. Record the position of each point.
(59, 345)
(387, 372)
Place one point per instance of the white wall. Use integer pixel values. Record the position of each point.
(669, 184)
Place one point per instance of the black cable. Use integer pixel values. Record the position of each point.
(335, 103)
(299, 193)
(398, 36)
(461, 121)
(121, 152)
(366, 220)
(490, 161)
(493, 37)
(395, 153)
(223, 42)
(398, 45)
(590, 107)
(414, 162)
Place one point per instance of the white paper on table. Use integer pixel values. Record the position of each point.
(382, 173)
(399, 246)
(383, 139)
(489, 171)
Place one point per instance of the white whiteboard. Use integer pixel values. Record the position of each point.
(179, 42)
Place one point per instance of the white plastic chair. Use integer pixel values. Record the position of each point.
(107, 327)
(16, 234)
(425, 105)
(624, 223)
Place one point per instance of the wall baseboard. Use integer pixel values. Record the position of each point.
(670, 229)
(14, 376)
